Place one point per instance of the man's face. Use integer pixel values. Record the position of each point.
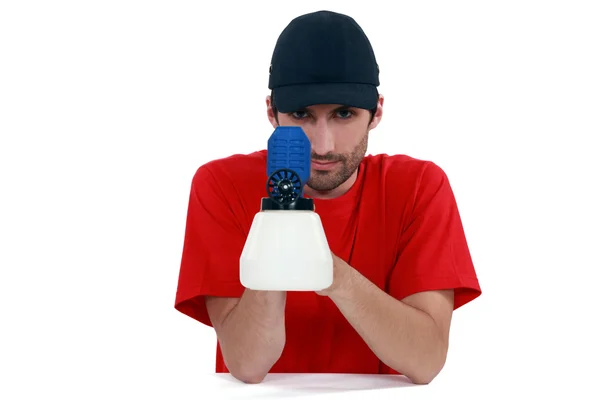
(338, 136)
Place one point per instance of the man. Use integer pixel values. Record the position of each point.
(401, 261)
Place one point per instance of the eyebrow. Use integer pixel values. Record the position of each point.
(342, 108)
(306, 109)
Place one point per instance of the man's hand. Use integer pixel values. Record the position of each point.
(342, 276)
(408, 335)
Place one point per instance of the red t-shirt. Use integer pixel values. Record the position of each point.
(398, 225)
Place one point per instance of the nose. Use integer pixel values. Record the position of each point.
(322, 138)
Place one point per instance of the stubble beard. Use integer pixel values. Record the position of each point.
(324, 181)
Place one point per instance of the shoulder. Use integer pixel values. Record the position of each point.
(230, 188)
(237, 169)
(404, 173)
(235, 164)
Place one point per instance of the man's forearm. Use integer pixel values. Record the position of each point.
(404, 338)
(254, 334)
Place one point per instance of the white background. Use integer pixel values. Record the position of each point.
(107, 109)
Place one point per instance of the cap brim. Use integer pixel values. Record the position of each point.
(297, 97)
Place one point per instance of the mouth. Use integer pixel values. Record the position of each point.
(323, 166)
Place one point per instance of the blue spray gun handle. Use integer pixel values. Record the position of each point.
(289, 148)
(288, 168)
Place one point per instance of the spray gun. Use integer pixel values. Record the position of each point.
(286, 248)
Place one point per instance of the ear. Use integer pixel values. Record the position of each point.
(270, 113)
(378, 113)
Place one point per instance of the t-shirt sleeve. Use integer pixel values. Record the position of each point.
(213, 242)
(432, 248)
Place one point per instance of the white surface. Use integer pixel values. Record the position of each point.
(294, 236)
(107, 108)
(305, 386)
(354, 386)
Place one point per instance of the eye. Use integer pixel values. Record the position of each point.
(299, 114)
(344, 114)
